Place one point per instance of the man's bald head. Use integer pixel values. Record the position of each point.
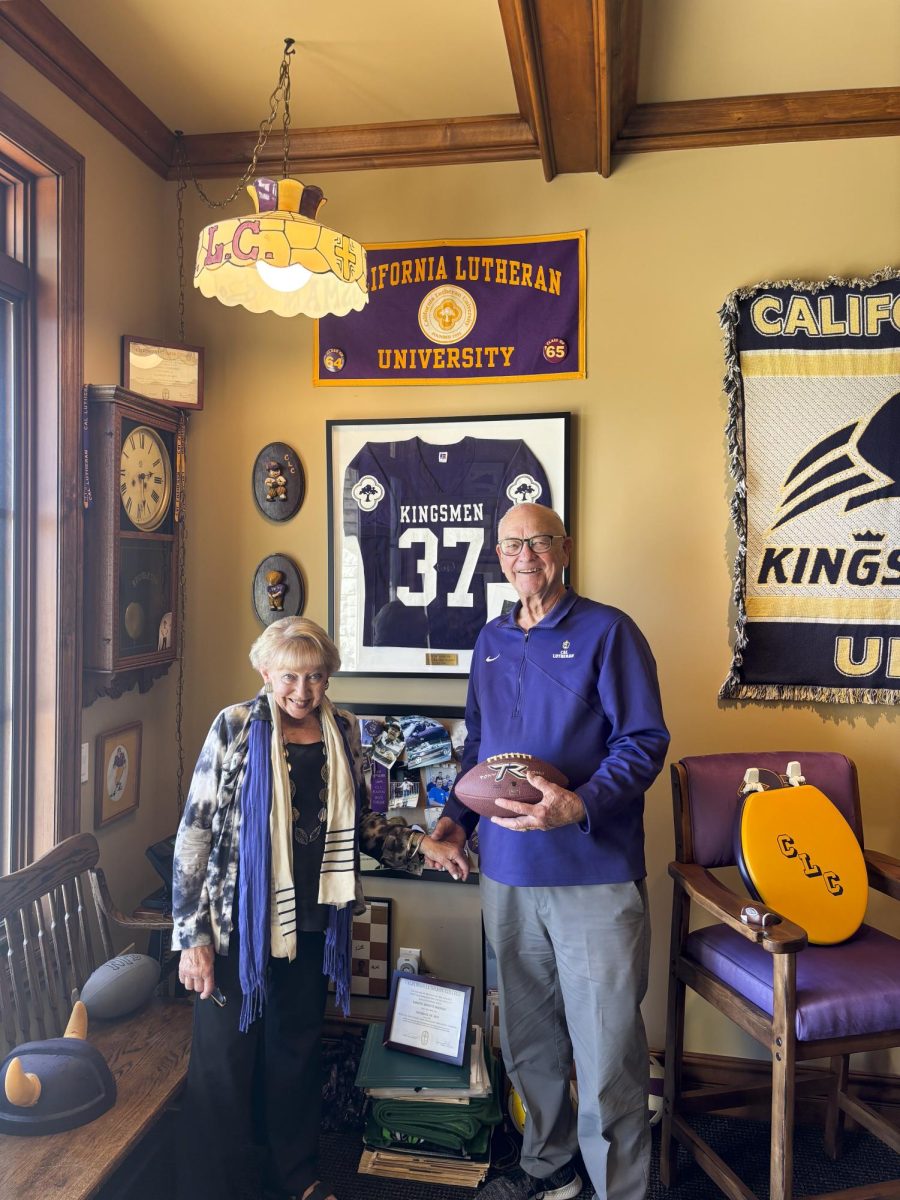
(549, 520)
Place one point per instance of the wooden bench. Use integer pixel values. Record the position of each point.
(53, 914)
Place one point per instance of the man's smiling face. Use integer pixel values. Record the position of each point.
(534, 575)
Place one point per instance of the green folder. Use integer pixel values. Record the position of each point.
(380, 1067)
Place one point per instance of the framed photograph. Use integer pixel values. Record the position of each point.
(428, 1017)
(380, 780)
(118, 774)
(165, 371)
(413, 508)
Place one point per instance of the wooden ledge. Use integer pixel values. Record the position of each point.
(148, 1055)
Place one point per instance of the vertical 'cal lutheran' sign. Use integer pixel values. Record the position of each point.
(814, 379)
(481, 311)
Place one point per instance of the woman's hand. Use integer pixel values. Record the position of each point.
(196, 971)
(446, 854)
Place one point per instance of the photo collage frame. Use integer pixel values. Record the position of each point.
(411, 758)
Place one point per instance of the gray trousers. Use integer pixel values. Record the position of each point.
(572, 967)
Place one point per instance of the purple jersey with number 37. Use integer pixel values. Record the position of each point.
(425, 517)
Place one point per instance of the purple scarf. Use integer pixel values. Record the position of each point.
(255, 854)
(254, 882)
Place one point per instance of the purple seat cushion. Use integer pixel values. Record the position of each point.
(844, 990)
(714, 783)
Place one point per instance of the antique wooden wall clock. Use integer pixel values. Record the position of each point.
(131, 537)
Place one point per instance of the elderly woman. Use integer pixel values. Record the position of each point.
(265, 886)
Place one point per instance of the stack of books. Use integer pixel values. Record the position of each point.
(428, 1121)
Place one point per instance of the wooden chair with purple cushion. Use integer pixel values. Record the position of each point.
(799, 1001)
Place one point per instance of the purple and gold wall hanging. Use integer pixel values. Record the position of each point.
(813, 379)
(491, 310)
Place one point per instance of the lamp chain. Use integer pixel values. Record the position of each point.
(181, 437)
(284, 81)
(282, 93)
(179, 690)
(180, 252)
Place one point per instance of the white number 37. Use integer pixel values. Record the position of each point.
(426, 565)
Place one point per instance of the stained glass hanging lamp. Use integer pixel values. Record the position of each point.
(279, 259)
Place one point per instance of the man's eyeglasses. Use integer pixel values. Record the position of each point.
(540, 543)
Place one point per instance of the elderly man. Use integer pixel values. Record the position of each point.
(573, 682)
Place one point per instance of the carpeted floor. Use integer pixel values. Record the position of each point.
(743, 1144)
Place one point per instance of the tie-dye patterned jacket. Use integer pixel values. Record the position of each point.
(206, 849)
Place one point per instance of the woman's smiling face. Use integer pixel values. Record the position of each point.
(298, 691)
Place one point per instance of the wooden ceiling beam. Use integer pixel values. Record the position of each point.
(575, 70)
(752, 120)
(523, 45)
(505, 138)
(618, 24)
(38, 36)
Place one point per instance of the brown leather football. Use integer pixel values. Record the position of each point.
(502, 776)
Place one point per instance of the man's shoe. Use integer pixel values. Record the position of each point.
(564, 1184)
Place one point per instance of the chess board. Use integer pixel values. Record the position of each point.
(370, 950)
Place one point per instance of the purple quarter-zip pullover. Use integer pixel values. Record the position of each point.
(579, 690)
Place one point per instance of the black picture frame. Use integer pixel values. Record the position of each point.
(400, 982)
(446, 714)
(363, 628)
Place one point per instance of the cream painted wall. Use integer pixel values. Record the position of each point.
(129, 287)
(669, 235)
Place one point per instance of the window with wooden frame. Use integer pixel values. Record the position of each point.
(41, 367)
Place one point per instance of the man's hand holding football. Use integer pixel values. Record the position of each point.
(557, 807)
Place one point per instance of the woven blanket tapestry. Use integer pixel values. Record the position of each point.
(813, 380)
(487, 311)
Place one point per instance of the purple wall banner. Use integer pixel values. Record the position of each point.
(491, 310)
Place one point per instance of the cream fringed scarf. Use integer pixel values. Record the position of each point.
(337, 881)
(266, 868)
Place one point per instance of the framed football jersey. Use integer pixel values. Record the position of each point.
(413, 511)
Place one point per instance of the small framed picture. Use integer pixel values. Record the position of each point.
(118, 774)
(428, 1017)
(165, 371)
(370, 950)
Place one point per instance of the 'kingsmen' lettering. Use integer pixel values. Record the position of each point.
(422, 514)
(824, 564)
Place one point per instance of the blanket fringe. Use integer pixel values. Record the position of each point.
(733, 688)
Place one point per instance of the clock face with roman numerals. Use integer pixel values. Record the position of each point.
(145, 478)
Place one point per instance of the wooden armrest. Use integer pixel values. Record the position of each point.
(105, 902)
(884, 873)
(724, 904)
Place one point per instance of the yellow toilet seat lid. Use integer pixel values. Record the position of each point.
(799, 856)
